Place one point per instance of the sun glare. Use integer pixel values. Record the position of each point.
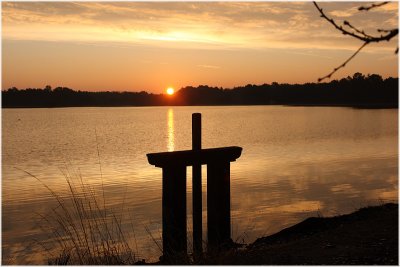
(170, 91)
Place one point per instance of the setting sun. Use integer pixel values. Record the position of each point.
(170, 91)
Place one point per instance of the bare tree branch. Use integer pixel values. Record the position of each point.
(367, 8)
(357, 30)
(386, 35)
(383, 30)
(344, 63)
(358, 35)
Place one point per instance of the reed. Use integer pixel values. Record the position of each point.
(82, 229)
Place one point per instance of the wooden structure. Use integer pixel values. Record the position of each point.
(173, 166)
(197, 206)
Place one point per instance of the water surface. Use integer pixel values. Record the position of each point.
(296, 162)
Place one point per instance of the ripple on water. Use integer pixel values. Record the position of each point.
(296, 162)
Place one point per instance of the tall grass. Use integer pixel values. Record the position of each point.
(84, 233)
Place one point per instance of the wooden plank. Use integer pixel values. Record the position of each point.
(190, 157)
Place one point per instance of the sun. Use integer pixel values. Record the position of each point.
(170, 91)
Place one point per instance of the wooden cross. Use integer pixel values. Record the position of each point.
(173, 166)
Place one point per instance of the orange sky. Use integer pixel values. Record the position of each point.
(153, 45)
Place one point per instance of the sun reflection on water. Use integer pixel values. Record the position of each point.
(170, 129)
(286, 174)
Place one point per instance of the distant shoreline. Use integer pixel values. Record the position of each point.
(356, 106)
(359, 91)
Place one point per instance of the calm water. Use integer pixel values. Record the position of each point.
(296, 162)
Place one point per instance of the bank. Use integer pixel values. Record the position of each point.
(368, 236)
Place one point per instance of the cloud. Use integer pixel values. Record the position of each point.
(209, 66)
(206, 24)
(345, 13)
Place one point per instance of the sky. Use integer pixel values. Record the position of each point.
(150, 46)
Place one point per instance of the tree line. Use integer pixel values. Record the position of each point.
(357, 91)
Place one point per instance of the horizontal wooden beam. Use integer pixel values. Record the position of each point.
(191, 157)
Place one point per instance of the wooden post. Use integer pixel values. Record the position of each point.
(218, 204)
(196, 187)
(196, 131)
(174, 165)
(174, 210)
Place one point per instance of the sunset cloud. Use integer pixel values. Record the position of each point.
(209, 66)
(247, 41)
(231, 24)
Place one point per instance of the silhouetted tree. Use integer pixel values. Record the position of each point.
(358, 90)
(47, 88)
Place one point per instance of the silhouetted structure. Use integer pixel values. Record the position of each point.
(173, 166)
(196, 188)
(356, 91)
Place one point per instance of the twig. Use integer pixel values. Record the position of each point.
(367, 8)
(358, 34)
(343, 64)
(357, 30)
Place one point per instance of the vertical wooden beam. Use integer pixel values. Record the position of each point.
(196, 131)
(174, 210)
(218, 204)
(196, 187)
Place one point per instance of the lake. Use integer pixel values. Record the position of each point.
(296, 162)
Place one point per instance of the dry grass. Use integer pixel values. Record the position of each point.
(83, 231)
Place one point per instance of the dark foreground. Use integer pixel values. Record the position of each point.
(367, 236)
